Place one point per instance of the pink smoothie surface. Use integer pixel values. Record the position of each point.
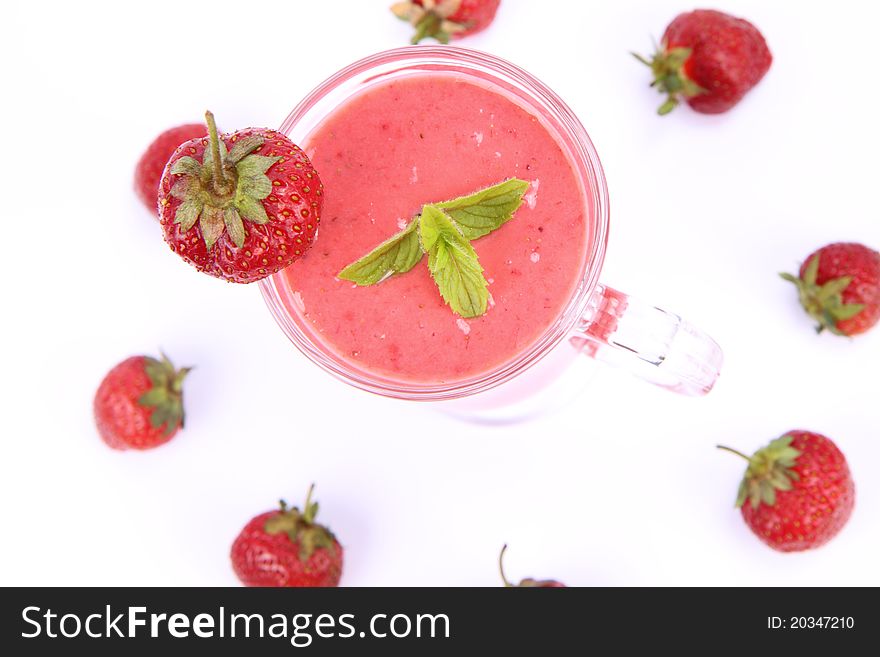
(381, 156)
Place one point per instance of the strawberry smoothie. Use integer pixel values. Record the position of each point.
(426, 138)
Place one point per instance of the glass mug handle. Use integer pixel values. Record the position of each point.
(652, 343)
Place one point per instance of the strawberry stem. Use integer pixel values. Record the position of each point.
(501, 566)
(309, 495)
(220, 183)
(734, 451)
(308, 510)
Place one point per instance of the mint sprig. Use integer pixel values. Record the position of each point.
(444, 231)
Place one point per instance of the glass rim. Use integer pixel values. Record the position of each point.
(589, 170)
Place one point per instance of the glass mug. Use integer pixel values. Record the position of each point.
(598, 321)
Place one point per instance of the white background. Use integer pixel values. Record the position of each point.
(622, 487)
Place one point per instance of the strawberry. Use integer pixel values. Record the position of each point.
(528, 582)
(287, 547)
(709, 58)
(149, 168)
(797, 492)
(446, 19)
(839, 287)
(139, 404)
(240, 206)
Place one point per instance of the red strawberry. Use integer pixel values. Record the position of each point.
(445, 19)
(709, 58)
(149, 168)
(528, 582)
(139, 404)
(839, 287)
(240, 206)
(799, 491)
(287, 548)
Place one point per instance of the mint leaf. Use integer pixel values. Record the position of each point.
(396, 255)
(453, 264)
(482, 212)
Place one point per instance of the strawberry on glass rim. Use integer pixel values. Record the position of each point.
(446, 19)
(240, 206)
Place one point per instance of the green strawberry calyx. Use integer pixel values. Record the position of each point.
(301, 528)
(770, 470)
(165, 395)
(824, 303)
(667, 65)
(224, 189)
(430, 18)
